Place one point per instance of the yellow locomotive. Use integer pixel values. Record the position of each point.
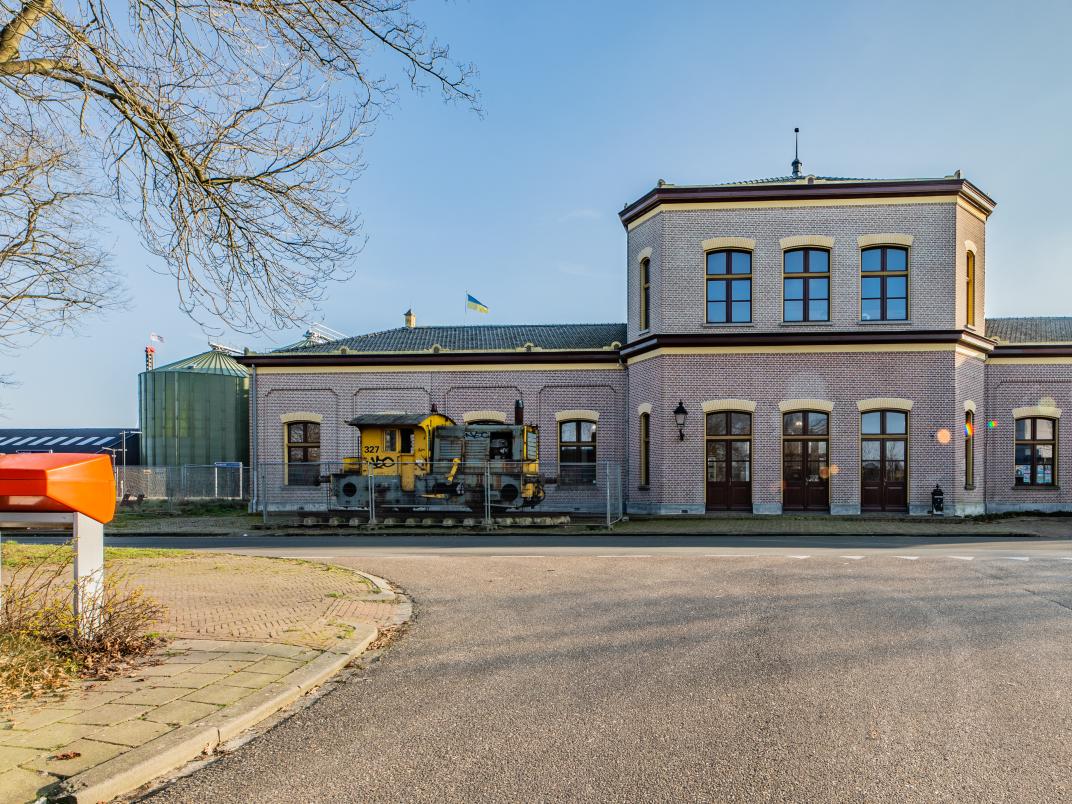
(426, 460)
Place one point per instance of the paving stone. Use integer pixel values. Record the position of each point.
(281, 666)
(132, 733)
(19, 785)
(10, 757)
(224, 665)
(156, 696)
(40, 717)
(89, 700)
(195, 657)
(108, 714)
(188, 680)
(47, 737)
(220, 693)
(163, 670)
(252, 680)
(179, 713)
(237, 656)
(90, 753)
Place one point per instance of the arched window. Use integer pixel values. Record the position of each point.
(729, 287)
(806, 285)
(969, 449)
(1036, 452)
(884, 284)
(303, 453)
(645, 449)
(969, 281)
(576, 452)
(806, 460)
(645, 293)
(884, 460)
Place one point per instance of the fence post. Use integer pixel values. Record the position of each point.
(487, 496)
(606, 477)
(371, 496)
(241, 487)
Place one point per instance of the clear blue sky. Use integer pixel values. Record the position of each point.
(588, 105)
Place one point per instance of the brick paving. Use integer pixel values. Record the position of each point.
(235, 625)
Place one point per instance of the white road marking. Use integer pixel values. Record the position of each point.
(630, 555)
(511, 555)
(963, 558)
(798, 556)
(1015, 558)
(854, 558)
(908, 558)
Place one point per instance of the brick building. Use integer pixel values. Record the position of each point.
(799, 343)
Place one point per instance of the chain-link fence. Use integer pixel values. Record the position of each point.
(225, 481)
(484, 491)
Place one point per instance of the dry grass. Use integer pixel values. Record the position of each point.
(42, 646)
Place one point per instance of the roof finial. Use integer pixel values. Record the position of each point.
(797, 164)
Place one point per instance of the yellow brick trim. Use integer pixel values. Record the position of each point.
(790, 405)
(853, 348)
(583, 415)
(884, 403)
(1031, 361)
(806, 202)
(886, 239)
(645, 254)
(969, 405)
(716, 243)
(1047, 411)
(644, 408)
(800, 241)
(485, 415)
(714, 405)
(969, 245)
(301, 416)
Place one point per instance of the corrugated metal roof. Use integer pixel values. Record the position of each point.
(210, 362)
(1036, 329)
(90, 440)
(488, 338)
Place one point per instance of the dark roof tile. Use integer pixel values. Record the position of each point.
(1037, 329)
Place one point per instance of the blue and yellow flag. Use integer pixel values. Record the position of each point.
(473, 303)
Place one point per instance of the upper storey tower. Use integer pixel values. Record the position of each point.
(804, 253)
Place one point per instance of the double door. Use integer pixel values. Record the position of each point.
(729, 461)
(806, 461)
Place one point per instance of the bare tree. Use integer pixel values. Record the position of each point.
(50, 267)
(228, 131)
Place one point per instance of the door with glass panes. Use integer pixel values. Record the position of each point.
(806, 461)
(729, 461)
(884, 460)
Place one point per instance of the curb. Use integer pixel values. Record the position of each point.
(158, 757)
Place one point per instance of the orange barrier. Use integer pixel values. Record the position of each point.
(58, 481)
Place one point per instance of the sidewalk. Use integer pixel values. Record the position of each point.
(247, 636)
(714, 525)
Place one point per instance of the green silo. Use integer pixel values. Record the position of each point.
(195, 411)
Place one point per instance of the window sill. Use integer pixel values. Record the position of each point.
(643, 488)
(1037, 488)
(715, 325)
(805, 323)
(886, 322)
(969, 488)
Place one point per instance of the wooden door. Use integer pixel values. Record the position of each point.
(729, 461)
(805, 461)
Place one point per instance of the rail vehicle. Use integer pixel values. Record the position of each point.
(426, 460)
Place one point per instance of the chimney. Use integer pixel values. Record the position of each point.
(149, 353)
(519, 412)
(410, 319)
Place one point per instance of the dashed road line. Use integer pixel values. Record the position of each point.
(854, 558)
(798, 556)
(730, 555)
(908, 558)
(629, 555)
(962, 558)
(1015, 558)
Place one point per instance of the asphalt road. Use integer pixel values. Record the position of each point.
(636, 670)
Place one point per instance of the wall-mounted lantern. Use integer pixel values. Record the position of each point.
(680, 417)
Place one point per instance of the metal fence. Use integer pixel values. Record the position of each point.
(134, 484)
(379, 491)
(484, 491)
